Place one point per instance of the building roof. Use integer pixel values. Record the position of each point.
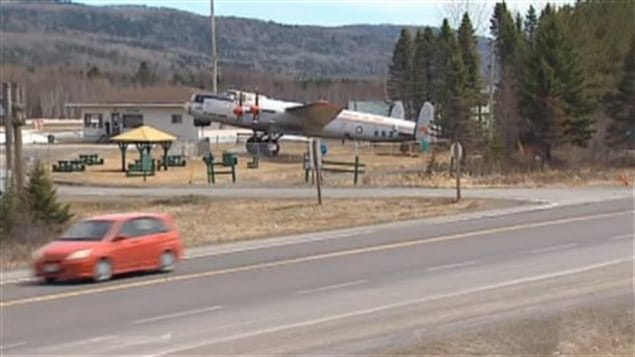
(155, 96)
(143, 134)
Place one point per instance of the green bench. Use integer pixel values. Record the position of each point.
(229, 160)
(69, 166)
(91, 159)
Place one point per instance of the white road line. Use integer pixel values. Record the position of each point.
(332, 287)
(624, 236)
(220, 250)
(273, 243)
(402, 304)
(62, 346)
(16, 281)
(178, 314)
(452, 266)
(11, 345)
(553, 248)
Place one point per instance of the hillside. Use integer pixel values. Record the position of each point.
(117, 38)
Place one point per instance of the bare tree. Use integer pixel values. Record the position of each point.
(476, 9)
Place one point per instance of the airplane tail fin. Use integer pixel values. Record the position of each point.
(423, 127)
(397, 110)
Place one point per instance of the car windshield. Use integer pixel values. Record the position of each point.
(93, 230)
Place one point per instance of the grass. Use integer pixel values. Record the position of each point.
(594, 330)
(206, 221)
(385, 166)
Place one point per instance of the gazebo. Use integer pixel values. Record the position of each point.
(143, 137)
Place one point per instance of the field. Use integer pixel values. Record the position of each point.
(206, 221)
(600, 329)
(385, 166)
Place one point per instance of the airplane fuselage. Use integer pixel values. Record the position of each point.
(346, 125)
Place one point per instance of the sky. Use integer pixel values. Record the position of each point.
(342, 12)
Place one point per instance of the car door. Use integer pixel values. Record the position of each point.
(127, 250)
(152, 242)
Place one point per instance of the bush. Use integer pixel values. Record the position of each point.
(41, 201)
(35, 213)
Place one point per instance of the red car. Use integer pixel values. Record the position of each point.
(100, 247)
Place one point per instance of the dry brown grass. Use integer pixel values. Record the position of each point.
(385, 167)
(285, 169)
(205, 221)
(594, 330)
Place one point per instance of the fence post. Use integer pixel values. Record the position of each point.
(356, 170)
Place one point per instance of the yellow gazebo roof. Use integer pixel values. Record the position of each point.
(143, 134)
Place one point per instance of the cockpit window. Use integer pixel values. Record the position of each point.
(200, 98)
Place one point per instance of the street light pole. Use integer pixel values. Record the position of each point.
(214, 55)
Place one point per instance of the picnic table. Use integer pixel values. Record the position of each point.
(172, 161)
(69, 166)
(91, 159)
(137, 169)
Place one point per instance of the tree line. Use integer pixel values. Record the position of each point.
(564, 77)
(49, 88)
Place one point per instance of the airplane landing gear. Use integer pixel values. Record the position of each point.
(263, 145)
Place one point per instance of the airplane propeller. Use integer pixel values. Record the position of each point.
(239, 111)
(255, 109)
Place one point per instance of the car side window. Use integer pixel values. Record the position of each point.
(132, 228)
(157, 226)
(144, 226)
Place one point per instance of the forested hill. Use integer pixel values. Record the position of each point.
(36, 33)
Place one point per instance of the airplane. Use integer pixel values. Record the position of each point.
(270, 119)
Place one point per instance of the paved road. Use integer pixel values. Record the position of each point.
(359, 292)
(557, 195)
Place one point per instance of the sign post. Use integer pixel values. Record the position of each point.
(316, 168)
(456, 150)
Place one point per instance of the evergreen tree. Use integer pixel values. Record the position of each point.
(507, 124)
(445, 40)
(400, 81)
(519, 24)
(41, 200)
(553, 89)
(531, 22)
(503, 29)
(469, 54)
(456, 119)
(622, 105)
(10, 211)
(93, 72)
(144, 75)
(424, 67)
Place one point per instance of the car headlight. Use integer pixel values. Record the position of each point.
(80, 254)
(38, 254)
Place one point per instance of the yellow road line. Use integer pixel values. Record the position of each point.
(304, 259)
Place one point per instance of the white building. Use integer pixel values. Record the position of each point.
(159, 107)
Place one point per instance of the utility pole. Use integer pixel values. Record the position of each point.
(491, 90)
(214, 55)
(18, 120)
(8, 131)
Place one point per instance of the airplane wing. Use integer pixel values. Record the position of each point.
(309, 118)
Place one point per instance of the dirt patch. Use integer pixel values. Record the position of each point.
(590, 330)
(204, 221)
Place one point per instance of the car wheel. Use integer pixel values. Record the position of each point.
(167, 262)
(103, 270)
(49, 280)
